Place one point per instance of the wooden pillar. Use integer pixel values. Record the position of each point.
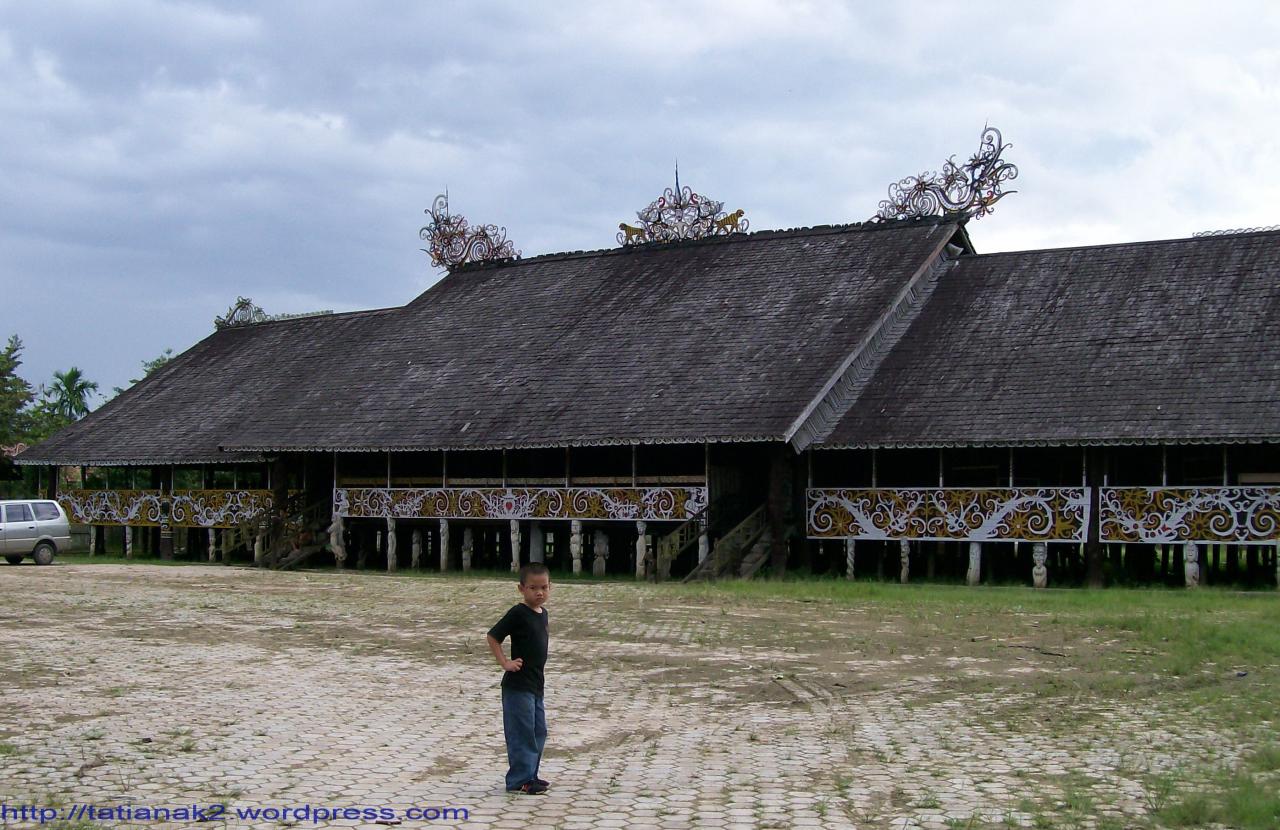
(642, 549)
(575, 537)
(974, 575)
(1039, 569)
(537, 542)
(1093, 462)
(416, 549)
(391, 538)
(225, 535)
(213, 545)
(515, 545)
(468, 548)
(600, 546)
(1191, 565)
(337, 543)
(444, 545)
(781, 463)
(128, 542)
(904, 560)
(93, 540)
(850, 549)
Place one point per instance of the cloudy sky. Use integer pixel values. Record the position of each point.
(157, 159)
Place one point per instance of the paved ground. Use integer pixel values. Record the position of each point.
(164, 686)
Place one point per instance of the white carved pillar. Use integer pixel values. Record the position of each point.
(1039, 570)
(642, 549)
(391, 545)
(128, 543)
(468, 547)
(515, 545)
(575, 544)
(1191, 564)
(974, 575)
(335, 541)
(444, 545)
(850, 549)
(257, 549)
(415, 548)
(213, 545)
(904, 557)
(704, 545)
(537, 542)
(600, 542)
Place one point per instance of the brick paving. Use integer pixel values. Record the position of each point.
(151, 685)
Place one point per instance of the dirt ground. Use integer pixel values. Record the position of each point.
(164, 686)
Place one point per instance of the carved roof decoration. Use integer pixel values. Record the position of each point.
(969, 190)
(680, 214)
(455, 242)
(242, 313)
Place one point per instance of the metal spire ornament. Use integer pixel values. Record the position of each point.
(454, 242)
(681, 214)
(242, 313)
(970, 189)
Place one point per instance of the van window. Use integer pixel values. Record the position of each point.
(17, 513)
(45, 510)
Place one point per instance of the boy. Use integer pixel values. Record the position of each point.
(524, 721)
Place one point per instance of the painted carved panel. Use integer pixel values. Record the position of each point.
(629, 503)
(1190, 514)
(1036, 514)
(143, 508)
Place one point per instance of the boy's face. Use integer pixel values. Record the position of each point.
(536, 590)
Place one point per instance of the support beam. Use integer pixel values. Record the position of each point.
(128, 542)
(537, 542)
(444, 545)
(416, 549)
(850, 552)
(600, 543)
(213, 545)
(468, 548)
(93, 540)
(904, 559)
(336, 543)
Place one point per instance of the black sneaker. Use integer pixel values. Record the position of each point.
(532, 788)
(542, 782)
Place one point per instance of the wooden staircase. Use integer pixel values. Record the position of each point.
(295, 534)
(675, 543)
(744, 548)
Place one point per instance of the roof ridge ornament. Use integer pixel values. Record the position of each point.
(970, 189)
(680, 214)
(242, 313)
(455, 242)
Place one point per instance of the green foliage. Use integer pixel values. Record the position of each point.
(148, 366)
(68, 396)
(15, 395)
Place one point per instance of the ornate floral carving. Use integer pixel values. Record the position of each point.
(977, 515)
(971, 189)
(146, 508)
(625, 503)
(455, 242)
(1190, 514)
(242, 313)
(680, 214)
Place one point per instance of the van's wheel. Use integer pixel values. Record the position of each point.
(13, 558)
(43, 554)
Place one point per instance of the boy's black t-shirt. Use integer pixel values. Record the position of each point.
(529, 635)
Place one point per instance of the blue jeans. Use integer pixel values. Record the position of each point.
(524, 723)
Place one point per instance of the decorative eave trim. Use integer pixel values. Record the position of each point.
(516, 445)
(136, 462)
(844, 386)
(1064, 442)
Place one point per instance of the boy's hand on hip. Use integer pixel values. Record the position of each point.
(514, 665)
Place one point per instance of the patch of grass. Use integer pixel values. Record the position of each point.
(8, 750)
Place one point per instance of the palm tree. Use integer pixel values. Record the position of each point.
(68, 397)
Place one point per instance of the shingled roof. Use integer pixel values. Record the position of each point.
(1171, 341)
(725, 339)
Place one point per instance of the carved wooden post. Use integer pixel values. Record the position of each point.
(575, 545)
(1039, 571)
(1191, 564)
(850, 550)
(415, 548)
(128, 542)
(642, 549)
(444, 545)
(468, 547)
(257, 548)
(704, 544)
(93, 540)
(537, 542)
(226, 545)
(213, 545)
(904, 557)
(391, 545)
(601, 544)
(336, 543)
(974, 575)
(515, 545)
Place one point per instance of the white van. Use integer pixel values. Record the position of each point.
(33, 527)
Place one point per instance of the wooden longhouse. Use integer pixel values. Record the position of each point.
(867, 399)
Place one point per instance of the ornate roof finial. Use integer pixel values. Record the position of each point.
(242, 313)
(681, 214)
(971, 189)
(454, 242)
